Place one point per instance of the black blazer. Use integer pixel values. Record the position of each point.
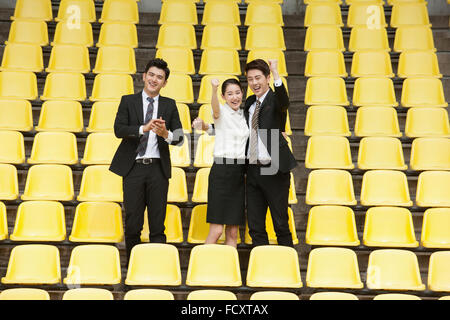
(130, 116)
(272, 115)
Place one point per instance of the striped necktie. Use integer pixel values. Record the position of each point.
(144, 138)
(253, 152)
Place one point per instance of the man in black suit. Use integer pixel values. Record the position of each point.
(147, 123)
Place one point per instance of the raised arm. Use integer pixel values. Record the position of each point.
(214, 99)
(281, 96)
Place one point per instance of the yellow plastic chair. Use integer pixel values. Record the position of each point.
(257, 1)
(274, 295)
(265, 37)
(33, 9)
(335, 94)
(395, 2)
(263, 12)
(221, 36)
(325, 63)
(13, 148)
(120, 10)
(69, 58)
(16, 115)
(103, 115)
(3, 222)
(66, 34)
(178, 12)
(331, 226)
(22, 57)
(118, 34)
(205, 92)
(381, 153)
(267, 54)
(418, 63)
(287, 128)
(214, 265)
(100, 148)
(179, 87)
(24, 294)
(57, 115)
(33, 264)
(223, 12)
(84, 9)
(328, 152)
(406, 14)
(438, 278)
(413, 38)
(100, 184)
(372, 92)
(88, 294)
(180, 156)
(393, 269)
(49, 182)
(323, 13)
(327, 120)
(366, 14)
(173, 225)
(94, 265)
(154, 264)
(435, 233)
(18, 85)
(9, 189)
(115, 60)
(54, 147)
(324, 37)
(97, 222)
(427, 122)
(204, 156)
(180, 60)
(292, 193)
(444, 298)
(39, 221)
(364, 38)
(433, 189)
(423, 92)
(148, 294)
(28, 31)
(64, 86)
(200, 192)
(273, 267)
(329, 186)
(430, 154)
(220, 61)
(176, 35)
(177, 186)
(333, 296)
(111, 87)
(185, 118)
(396, 296)
(389, 227)
(333, 268)
(371, 64)
(211, 295)
(377, 121)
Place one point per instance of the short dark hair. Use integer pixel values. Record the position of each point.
(160, 64)
(227, 82)
(260, 65)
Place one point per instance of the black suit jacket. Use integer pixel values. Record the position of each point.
(130, 116)
(272, 115)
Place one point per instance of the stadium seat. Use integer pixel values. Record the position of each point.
(33, 264)
(100, 184)
(65, 34)
(433, 189)
(250, 1)
(220, 61)
(427, 122)
(381, 153)
(177, 186)
(16, 115)
(331, 226)
(435, 233)
(88, 294)
(115, 60)
(59, 115)
(173, 225)
(83, 9)
(148, 294)
(39, 221)
(333, 296)
(13, 148)
(438, 278)
(413, 38)
(324, 37)
(396, 296)
(333, 268)
(28, 31)
(205, 92)
(200, 192)
(287, 128)
(325, 63)
(407, 14)
(179, 87)
(221, 12)
(180, 156)
(154, 264)
(430, 154)
(178, 12)
(180, 60)
(221, 36)
(326, 120)
(120, 10)
(214, 265)
(444, 298)
(24, 294)
(273, 267)
(176, 35)
(335, 94)
(317, 1)
(377, 121)
(423, 92)
(263, 13)
(274, 295)
(395, 2)
(111, 87)
(3, 222)
(185, 117)
(97, 222)
(64, 86)
(49, 182)
(364, 38)
(18, 85)
(204, 152)
(330, 187)
(418, 63)
(69, 58)
(118, 34)
(22, 57)
(328, 152)
(323, 13)
(54, 147)
(267, 54)
(262, 36)
(211, 295)
(33, 10)
(393, 269)
(372, 92)
(371, 64)
(100, 148)
(292, 193)
(9, 189)
(369, 14)
(94, 265)
(103, 115)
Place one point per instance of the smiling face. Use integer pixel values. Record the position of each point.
(154, 81)
(258, 82)
(233, 96)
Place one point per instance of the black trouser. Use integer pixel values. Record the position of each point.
(268, 191)
(144, 186)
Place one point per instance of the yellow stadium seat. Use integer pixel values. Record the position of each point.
(97, 222)
(381, 153)
(333, 296)
(364, 38)
(430, 154)
(178, 12)
(324, 37)
(427, 122)
(33, 9)
(370, 92)
(176, 35)
(406, 14)
(94, 265)
(65, 34)
(267, 54)
(185, 118)
(3, 222)
(418, 63)
(438, 277)
(177, 186)
(205, 92)
(211, 295)
(263, 12)
(433, 189)
(118, 34)
(368, 14)
(84, 10)
(323, 13)
(103, 115)
(250, 1)
(377, 121)
(88, 294)
(395, 2)
(179, 87)
(292, 193)
(435, 232)
(18, 85)
(393, 269)
(444, 298)
(274, 295)
(28, 31)
(423, 92)
(413, 38)
(100, 148)
(273, 267)
(214, 265)
(330, 186)
(16, 115)
(221, 36)
(33, 264)
(220, 61)
(111, 87)
(154, 264)
(24, 294)
(9, 189)
(221, 12)
(371, 64)
(316, 1)
(331, 226)
(325, 63)
(49, 182)
(180, 156)
(204, 156)
(13, 148)
(69, 58)
(148, 294)
(100, 184)
(265, 37)
(115, 60)
(396, 297)
(173, 225)
(200, 192)
(287, 128)
(120, 10)
(59, 115)
(180, 60)
(328, 152)
(326, 120)
(335, 94)
(22, 57)
(64, 86)
(54, 147)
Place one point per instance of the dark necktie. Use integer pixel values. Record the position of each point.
(253, 152)
(144, 138)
